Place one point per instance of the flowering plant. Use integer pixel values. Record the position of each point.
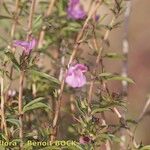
(59, 86)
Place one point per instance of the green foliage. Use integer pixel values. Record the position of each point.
(12, 58)
(34, 104)
(44, 75)
(145, 147)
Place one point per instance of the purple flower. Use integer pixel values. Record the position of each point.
(84, 140)
(26, 46)
(75, 76)
(75, 10)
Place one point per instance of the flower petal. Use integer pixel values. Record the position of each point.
(75, 76)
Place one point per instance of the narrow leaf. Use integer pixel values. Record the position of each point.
(45, 75)
(13, 59)
(13, 121)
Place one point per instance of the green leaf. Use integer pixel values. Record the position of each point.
(45, 75)
(13, 59)
(35, 101)
(13, 121)
(120, 78)
(35, 104)
(145, 147)
(37, 22)
(114, 56)
(4, 17)
(110, 76)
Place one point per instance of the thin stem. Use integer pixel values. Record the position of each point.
(144, 110)
(3, 120)
(22, 76)
(20, 103)
(31, 18)
(16, 12)
(98, 60)
(79, 37)
(42, 33)
(77, 43)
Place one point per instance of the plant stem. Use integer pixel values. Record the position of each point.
(15, 19)
(107, 144)
(3, 120)
(98, 60)
(143, 113)
(79, 37)
(31, 18)
(77, 43)
(42, 33)
(20, 104)
(22, 76)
